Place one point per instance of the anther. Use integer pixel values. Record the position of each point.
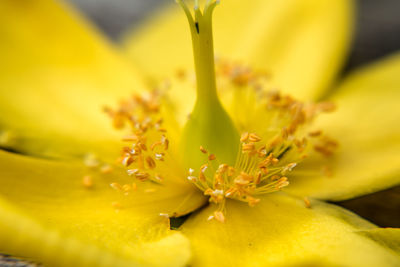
(106, 168)
(116, 186)
(192, 178)
(203, 150)
(282, 182)
(126, 161)
(153, 146)
(315, 133)
(307, 202)
(87, 181)
(143, 146)
(203, 168)
(248, 148)
(165, 142)
(244, 137)
(132, 171)
(252, 201)
(130, 138)
(219, 216)
(222, 168)
(288, 167)
(212, 157)
(150, 162)
(142, 176)
(158, 177)
(159, 156)
(254, 138)
(126, 188)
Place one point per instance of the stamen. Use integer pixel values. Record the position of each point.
(219, 216)
(116, 186)
(315, 133)
(326, 146)
(128, 160)
(141, 114)
(244, 137)
(158, 177)
(254, 138)
(202, 149)
(159, 156)
(87, 181)
(307, 202)
(150, 162)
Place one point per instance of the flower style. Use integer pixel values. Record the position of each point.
(56, 204)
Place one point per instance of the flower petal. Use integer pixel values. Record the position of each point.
(366, 126)
(53, 214)
(388, 237)
(281, 231)
(301, 43)
(57, 73)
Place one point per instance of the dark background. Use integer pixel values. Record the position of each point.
(377, 35)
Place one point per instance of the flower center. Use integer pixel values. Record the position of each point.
(208, 150)
(276, 137)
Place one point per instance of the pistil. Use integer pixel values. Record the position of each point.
(209, 125)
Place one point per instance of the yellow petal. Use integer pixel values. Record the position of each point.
(57, 73)
(388, 237)
(301, 43)
(366, 126)
(281, 231)
(53, 213)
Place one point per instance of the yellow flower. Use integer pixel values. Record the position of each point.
(56, 204)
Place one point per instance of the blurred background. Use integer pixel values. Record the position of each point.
(377, 26)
